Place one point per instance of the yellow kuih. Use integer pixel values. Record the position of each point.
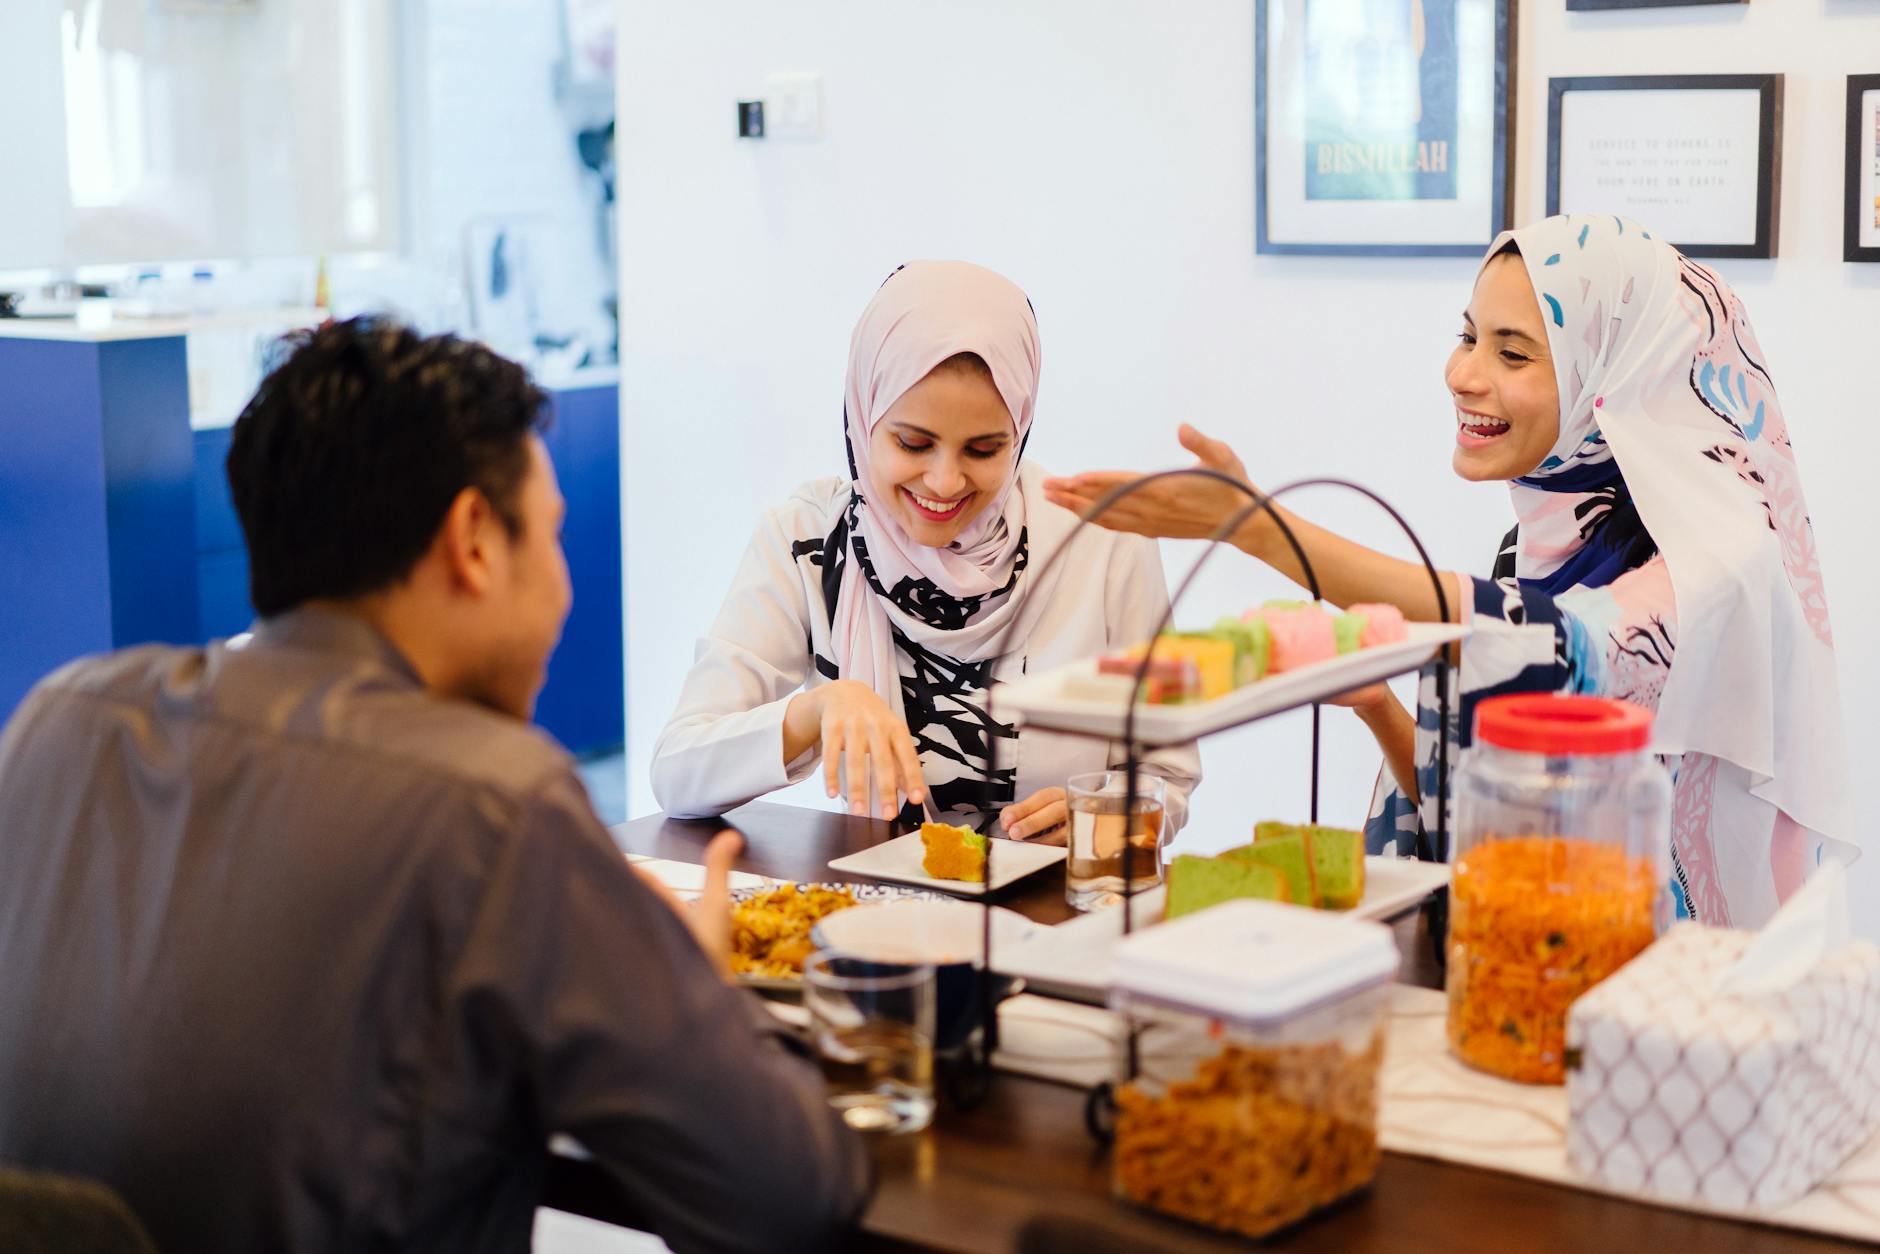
(953, 853)
(1214, 659)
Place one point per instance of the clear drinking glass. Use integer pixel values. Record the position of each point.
(873, 1023)
(1094, 874)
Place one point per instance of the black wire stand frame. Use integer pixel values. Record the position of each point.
(1430, 846)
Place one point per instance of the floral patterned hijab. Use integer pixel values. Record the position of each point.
(1671, 434)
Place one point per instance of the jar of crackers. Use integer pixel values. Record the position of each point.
(1260, 1034)
(1560, 872)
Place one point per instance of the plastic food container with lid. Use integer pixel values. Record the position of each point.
(1260, 1042)
(1560, 872)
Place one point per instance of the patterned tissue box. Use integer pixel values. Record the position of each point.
(1721, 1099)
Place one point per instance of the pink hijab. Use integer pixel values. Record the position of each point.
(926, 312)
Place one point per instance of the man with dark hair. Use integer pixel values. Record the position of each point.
(310, 942)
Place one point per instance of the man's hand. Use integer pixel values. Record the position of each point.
(710, 916)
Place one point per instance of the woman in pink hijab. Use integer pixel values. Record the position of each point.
(873, 612)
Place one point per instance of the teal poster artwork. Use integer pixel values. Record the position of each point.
(1380, 99)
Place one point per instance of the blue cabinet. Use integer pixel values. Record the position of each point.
(116, 526)
(97, 535)
(222, 605)
(583, 702)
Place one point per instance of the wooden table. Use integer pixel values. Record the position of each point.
(1020, 1173)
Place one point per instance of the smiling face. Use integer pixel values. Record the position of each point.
(1501, 376)
(941, 453)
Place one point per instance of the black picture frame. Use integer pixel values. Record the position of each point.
(1858, 85)
(1768, 145)
(1501, 173)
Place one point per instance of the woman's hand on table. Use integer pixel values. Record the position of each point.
(862, 742)
(1177, 508)
(1042, 817)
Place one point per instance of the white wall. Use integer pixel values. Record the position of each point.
(1101, 155)
(487, 139)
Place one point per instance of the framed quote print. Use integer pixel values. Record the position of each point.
(1863, 168)
(1697, 158)
(1381, 127)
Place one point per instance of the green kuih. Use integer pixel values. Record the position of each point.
(1288, 852)
(1348, 629)
(1338, 865)
(1253, 645)
(1195, 883)
(1281, 603)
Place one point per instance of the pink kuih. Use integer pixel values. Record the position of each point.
(1300, 637)
(1383, 624)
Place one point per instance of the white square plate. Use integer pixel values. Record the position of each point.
(1073, 959)
(899, 860)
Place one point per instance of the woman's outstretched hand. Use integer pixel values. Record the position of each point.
(1178, 508)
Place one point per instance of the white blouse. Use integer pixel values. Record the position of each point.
(723, 745)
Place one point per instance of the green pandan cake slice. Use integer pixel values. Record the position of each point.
(1195, 883)
(1287, 850)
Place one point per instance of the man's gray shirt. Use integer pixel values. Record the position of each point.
(299, 956)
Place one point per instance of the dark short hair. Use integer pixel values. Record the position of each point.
(345, 462)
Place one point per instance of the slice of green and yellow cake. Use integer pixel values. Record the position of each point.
(1195, 883)
(1338, 867)
(1287, 850)
(953, 853)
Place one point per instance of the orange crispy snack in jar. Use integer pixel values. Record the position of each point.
(1260, 1036)
(1558, 872)
(1258, 1139)
(1535, 921)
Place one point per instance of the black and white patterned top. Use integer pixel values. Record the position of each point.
(942, 697)
(773, 636)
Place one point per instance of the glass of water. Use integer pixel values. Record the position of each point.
(873, 1023)
(1101, 830)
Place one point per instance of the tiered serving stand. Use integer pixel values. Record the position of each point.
(1139, 730)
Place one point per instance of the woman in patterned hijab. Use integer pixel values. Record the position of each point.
(1663, 553)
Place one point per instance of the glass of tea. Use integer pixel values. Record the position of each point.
(1104, 833)
(873, 1024)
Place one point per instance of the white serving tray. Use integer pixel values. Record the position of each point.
(1073, 959)
(899, 861)
(1039, 700)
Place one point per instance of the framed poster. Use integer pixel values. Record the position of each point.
(1863, 168)
(1381, 127)
(1696, 157)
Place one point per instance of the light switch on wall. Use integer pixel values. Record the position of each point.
(793, 106)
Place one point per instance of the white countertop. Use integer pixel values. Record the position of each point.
(74, 330)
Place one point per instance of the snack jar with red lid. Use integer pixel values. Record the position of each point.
(1560, 876)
